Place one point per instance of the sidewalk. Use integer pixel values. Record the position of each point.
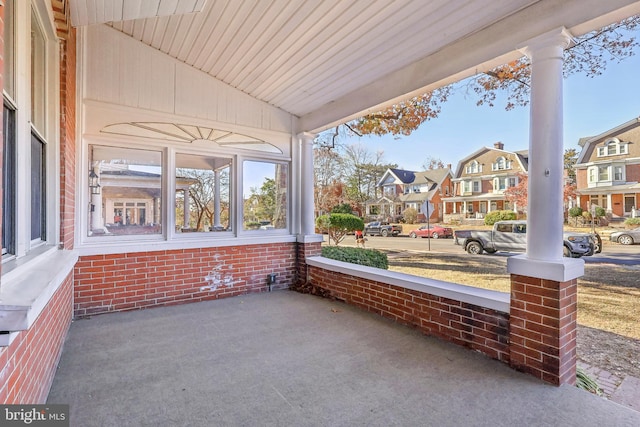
(622, 390)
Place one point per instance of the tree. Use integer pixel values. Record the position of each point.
(338, 225)
(518, 195)
(432, 163)
(362, 170)
(570, 159)
(589, 55)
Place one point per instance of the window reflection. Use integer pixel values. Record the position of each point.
(125, 191)
(202, 200)
(265, 195)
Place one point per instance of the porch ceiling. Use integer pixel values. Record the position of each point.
(332, 60)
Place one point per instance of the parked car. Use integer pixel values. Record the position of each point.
(383, 229)
(432, 231)
(511, 236)
(626, 237)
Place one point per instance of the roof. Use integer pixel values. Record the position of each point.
(522, 156)
(587, 144)
(316, 59)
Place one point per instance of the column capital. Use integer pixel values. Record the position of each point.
(557, 38)
(307, 136)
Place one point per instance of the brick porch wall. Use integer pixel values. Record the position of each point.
(475, 327)
(28, 364)
(117, 282)
(306, 250)
(543, 328)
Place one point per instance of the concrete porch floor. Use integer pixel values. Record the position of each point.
(287, 359)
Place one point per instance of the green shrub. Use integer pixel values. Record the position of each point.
(632, 221)
(338, 225)
(495, 216)
(600, 212)
(575, 212)
(368, 257)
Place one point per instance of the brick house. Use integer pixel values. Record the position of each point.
(480, 181)
(402, 189)
(229, 96)
(608, 170)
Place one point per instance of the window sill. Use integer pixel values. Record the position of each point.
(27, 288)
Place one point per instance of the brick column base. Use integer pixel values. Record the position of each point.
(305, 250)
(542, 331)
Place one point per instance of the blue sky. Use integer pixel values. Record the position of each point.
(591, 106)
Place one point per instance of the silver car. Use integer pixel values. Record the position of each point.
(626, 237)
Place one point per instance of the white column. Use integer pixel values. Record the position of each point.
(97, 222)
(545, 216)
(185, 214)
(609, 203)
(216, 199)
(307, 221)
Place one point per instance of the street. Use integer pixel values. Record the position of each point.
(612, 253)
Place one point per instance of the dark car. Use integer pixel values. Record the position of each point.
(626, 237)
(432, 231)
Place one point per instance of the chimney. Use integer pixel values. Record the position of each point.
(448, 165)
(499, 145)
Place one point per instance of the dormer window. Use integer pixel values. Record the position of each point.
(501, 163)
(613, 147)
(474, 167)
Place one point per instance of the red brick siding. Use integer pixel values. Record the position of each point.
(543, 328)
(479, 328)
(633, 173)
(306, 250)
(117, 282)
(28, 364)
(67, 137)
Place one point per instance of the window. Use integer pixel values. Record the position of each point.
(501, 164)
(513, 181)
(38, 188)
(8, 181)
(467, 186)
(603, 173)
(8, 72)
(390, 190)
(38, 76)
(612, 147)
(202, 200)
(593, 174)
(618, 174)
(264, 192)
(125, 197)
(473, 167)
(476, 186)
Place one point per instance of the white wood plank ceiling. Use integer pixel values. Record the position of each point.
(327, 60)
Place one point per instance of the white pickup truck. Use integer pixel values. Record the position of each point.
(510, 236)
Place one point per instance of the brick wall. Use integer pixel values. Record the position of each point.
(28, 364)
(67, 135)
(478, 328)
(543, 328)
(117, 282)
(306, 250)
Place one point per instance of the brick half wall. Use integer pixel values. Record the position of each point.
(469, 325)
(29, 363)
(118, 282)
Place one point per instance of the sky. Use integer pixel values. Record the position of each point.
(591, 106)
